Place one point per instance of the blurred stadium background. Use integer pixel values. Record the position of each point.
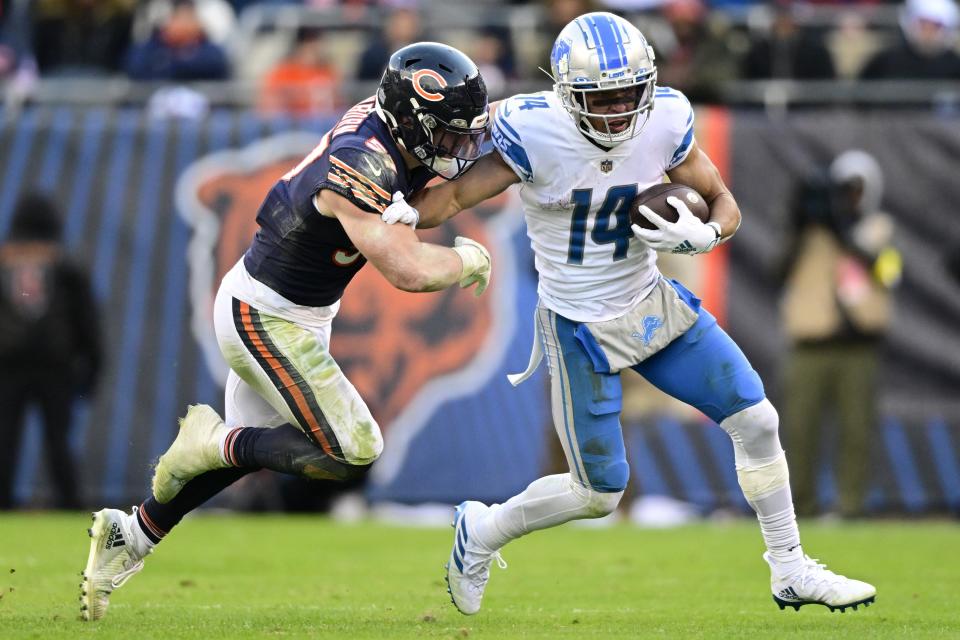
(159, 159)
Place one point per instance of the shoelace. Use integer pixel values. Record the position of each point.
(481, 569)
(814, 570)
(118, 580)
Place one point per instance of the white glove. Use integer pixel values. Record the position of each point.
(686, 235)
(476, 263)
(400, 212)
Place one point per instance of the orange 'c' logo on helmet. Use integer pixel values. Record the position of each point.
(419, 88)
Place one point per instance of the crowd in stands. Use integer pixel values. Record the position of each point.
(701, 45)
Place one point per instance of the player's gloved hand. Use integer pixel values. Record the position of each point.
(686, 235)
(476, 264)
(400, 212)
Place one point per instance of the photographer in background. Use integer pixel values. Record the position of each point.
(49, 344)
(838, 273)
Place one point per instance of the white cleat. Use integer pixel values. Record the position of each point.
(111, 562)
(813, 583)
(196, 450)
(468, 569)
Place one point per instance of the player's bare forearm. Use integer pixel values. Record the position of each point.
(437, 204)
(445, 267)
(725, 212)
(489, 177)
(394, 250)
(699, 172)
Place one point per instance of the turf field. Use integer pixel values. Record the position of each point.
(307, 577)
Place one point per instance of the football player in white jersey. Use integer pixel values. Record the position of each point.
(580, 154)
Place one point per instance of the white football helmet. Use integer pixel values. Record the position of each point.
(599, 52)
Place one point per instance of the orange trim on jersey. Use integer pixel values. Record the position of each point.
(716, 144)
(358, 190)
(288, 382)
(374, 205)
(364, 180)
(334, 178)
(358, 187)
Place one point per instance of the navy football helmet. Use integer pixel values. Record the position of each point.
(435, 102)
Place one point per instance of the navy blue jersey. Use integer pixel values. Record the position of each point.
(304, 256)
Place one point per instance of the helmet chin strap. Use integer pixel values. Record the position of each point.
(605, 138)
(391, 123)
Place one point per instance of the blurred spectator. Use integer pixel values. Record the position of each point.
(851, 43)
(401, 28)
(49, 343)
(304, 82)
(788, 51)
(926, 48)
(492, 54)
(81, 37)
(178, 49)
(218, 18)
(14, 36)
(697, 59)
(557, 13)
(839, 270)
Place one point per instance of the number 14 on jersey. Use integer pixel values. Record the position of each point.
(611, 224)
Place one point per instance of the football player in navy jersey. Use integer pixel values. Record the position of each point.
(289, 407)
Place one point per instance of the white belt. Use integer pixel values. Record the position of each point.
(536, 354)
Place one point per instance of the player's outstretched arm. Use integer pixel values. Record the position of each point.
(487, 178)
(699, 173)
(397, 253)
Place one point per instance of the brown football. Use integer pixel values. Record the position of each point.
(656, 199)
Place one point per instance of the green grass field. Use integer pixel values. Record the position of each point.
(307, 577)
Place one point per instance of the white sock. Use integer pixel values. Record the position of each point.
(140, 544)
(228, 434)
(778, 524)
(547, 502)
(765, 479)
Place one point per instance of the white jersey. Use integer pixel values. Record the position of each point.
(576, 198)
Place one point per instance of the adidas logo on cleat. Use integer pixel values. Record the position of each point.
(788, 594)
(114, 538)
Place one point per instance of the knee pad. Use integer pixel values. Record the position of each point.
(595, 504)
(754, 432)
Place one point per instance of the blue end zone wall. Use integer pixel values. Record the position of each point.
(115, 174)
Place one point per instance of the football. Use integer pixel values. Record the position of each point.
(656, 199)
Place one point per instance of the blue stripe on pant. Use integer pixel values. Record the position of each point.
(588, 413)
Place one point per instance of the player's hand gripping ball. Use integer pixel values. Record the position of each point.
(671, 218)
(655, 199)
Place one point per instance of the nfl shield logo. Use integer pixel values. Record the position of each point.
(606, 166)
